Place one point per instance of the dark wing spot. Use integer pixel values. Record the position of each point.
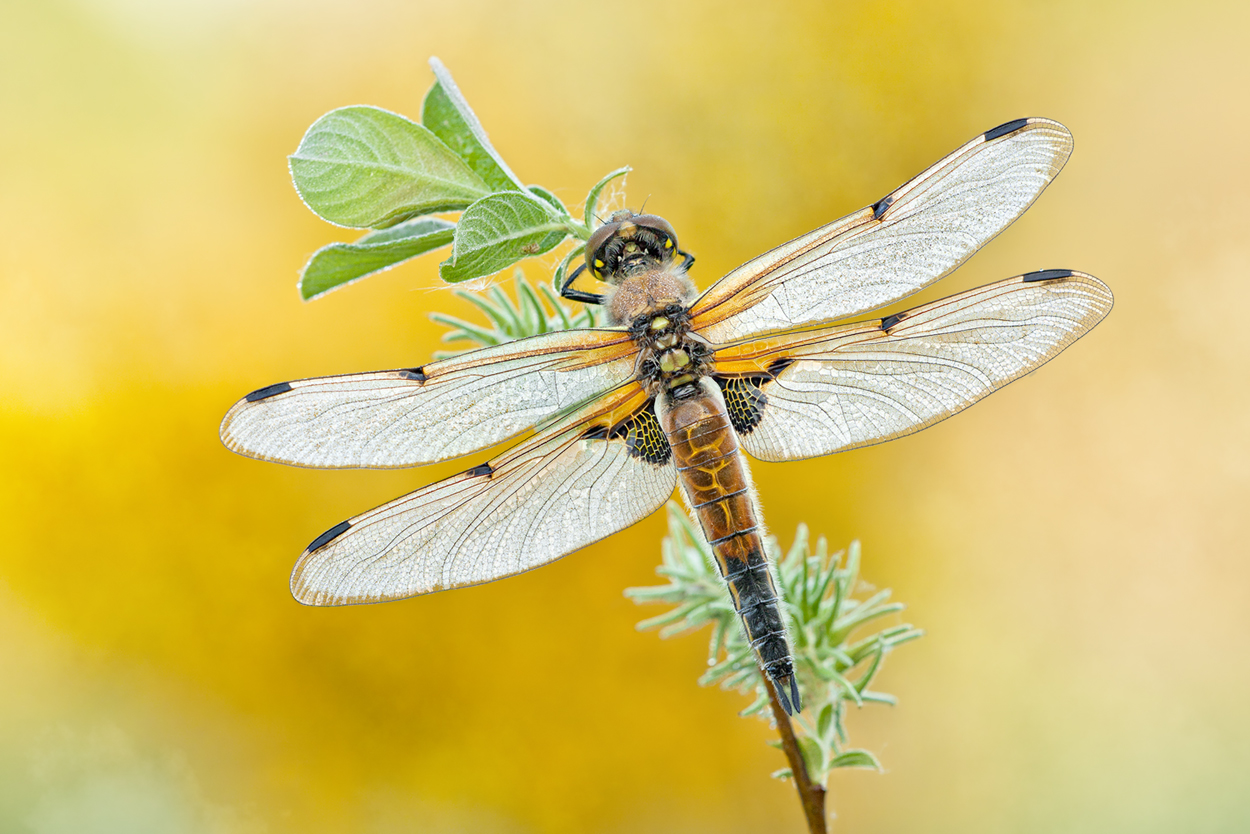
(1046, 275)
(1004, 129)
(329, 535)
(881, 205)
(779, 365)
(268, 391)
(598, 433)
(642, 433)
(480, 469)
(890, 321)
(416, 374)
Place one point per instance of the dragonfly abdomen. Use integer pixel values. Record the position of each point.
(717, 485)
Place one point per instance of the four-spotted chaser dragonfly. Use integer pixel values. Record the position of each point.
(679, 386)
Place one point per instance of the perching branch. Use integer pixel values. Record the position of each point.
(811, 795)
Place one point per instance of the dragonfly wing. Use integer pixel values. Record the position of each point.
(904, 242)
(799, 395)
(441, 410)
(584, 479)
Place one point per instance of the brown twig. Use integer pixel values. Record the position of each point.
(811, 795)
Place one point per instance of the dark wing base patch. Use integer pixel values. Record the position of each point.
(745, 398)
(642, 433)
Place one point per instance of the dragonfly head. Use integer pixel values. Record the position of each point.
(629, 244)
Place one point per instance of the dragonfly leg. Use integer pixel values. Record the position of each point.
(567, 291)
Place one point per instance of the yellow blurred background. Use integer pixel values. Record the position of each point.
(1075, 546)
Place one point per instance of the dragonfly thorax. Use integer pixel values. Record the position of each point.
(671, 358)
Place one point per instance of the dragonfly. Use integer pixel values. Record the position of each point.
(679, 386)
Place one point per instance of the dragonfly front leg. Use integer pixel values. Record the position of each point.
(567, 291)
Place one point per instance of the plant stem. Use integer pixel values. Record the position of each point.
(811, 795)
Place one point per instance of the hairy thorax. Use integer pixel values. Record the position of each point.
(654, 303)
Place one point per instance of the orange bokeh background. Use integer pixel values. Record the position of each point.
(1075, 546)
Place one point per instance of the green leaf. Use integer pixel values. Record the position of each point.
(873, 667)
(499, 230)
(527, 299)
(592, 198)
(448, 115)
(464, 330)
(338, 264)
(564, 322)
(557, 279)
(502, 316)
(813, 756)
(878, 698)
(855, 758)
(825, 721)
(849, 689)
(551, 199)
(366, 167)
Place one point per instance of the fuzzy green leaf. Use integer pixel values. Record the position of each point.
(528, 316)
(548, 197)
(873, 667)
(855, 758)
(502, 316)
(338, 264)
(813, 756)
(465, 330)
(448, 115)
(878, 698)
(592, 198)
(366, 167)
(817, 587)
(499, 230)
(564, 322)
(825, 721)
(849, 690)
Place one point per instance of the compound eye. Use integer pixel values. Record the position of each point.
(595, 260)
(661, 228)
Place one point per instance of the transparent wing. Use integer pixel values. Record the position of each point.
(438, 411)
(556, 493)
(904, 242)
(837, 388)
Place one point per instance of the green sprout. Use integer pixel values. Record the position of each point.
(835, 662)
(536, 310)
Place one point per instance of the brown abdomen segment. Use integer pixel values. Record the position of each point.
(717, 485)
